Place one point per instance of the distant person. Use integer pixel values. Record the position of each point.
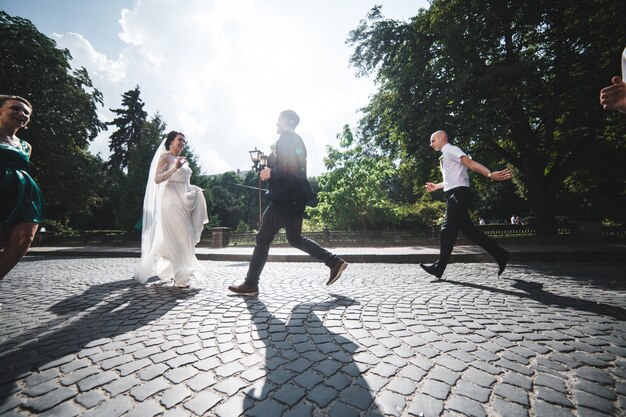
(174, 213)
(513, 217)
(21, 200)
(454, 165)
(481, 221)
(288, 191)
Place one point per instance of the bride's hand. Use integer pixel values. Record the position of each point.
(180, 162)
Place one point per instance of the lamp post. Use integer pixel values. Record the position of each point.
(259, 160)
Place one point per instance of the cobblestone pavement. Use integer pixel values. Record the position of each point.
(78, 337)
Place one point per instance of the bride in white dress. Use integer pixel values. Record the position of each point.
(174, 212)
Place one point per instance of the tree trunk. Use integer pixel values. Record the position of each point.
(541, 197)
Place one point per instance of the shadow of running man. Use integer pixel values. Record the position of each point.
(87, 320)
(309, 368)
(535, 291)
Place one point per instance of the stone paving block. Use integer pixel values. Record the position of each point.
(588, 412)
(122, 385)
(543, 408)
(41, 377)
(338, 381)
(425, 405)
(598, 390)
(8, 404)
(90, 399)
(39, 389)
(289, 394)
(466, 406)
(50, 399)
(162, 357)
(266, 408)
(153, 371)
(131, 367)
(472, 391)
(149, 408)
(595, 375)
(391, 403)
(115, 361)
(65, 409)
(79, 375)
(201, 381)
(552, 382)
(340, 410)
(513, 394)
(402, 386)
(503, 408)
(234, 406)
(594, 402)
(357, 397)
(174, 396)
(444, 375)
(516, 367)
(412, 372)
(180, 374)
(97, 380)
(372, 382)
(436, 389)
(553, 397)
(322, 395)
(230, 386)
(150, 388)
(228, 370)
(112, 408)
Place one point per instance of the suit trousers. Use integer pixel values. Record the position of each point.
(290, 216)
(457, 219)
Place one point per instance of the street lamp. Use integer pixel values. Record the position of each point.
(255, 155)
(259, 161)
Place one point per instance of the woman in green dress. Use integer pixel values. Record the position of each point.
(21, 201)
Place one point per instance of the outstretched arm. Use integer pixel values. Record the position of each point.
(613, 97)
(503, 175)
(431, 186)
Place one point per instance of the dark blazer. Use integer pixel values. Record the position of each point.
(288, 180)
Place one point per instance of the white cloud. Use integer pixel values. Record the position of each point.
(222, 70)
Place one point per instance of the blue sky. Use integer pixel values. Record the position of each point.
(220, 70)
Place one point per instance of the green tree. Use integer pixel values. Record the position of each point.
(351, 194)
(131, 187)
(513, 82)
(228, 200)
(129, 122)
(64, 119)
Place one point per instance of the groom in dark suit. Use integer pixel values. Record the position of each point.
(288, 191)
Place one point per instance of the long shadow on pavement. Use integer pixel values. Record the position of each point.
(305, 360)
(101, 312)
(535, 291)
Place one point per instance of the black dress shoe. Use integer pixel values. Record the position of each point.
(502, 263)
(432, 270)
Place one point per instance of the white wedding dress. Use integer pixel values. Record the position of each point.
(174, 214)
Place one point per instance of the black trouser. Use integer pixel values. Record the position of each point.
(289, 215)
(458, 219)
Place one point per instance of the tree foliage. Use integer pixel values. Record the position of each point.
(361, 191)
(64, 119)
(513, 82)
(129, 123)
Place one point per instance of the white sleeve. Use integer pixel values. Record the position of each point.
(453, 152)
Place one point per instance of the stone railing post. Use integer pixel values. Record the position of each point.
(220, 236)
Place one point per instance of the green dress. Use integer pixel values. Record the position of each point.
(21, 200)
